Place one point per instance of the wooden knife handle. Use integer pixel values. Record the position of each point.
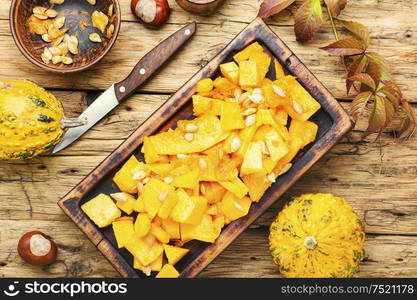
(152, 61)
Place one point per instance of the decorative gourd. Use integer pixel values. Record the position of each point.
(31, 120)
(317, 235)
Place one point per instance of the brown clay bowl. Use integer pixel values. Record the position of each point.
(200, 7)
(75, 11)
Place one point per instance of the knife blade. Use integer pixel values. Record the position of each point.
(120, 91)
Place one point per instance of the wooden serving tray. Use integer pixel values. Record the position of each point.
(332, 120)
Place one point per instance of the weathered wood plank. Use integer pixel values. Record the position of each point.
(77, 257)
(393, 33)
(248, 256)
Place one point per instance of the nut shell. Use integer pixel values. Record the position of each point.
(24, 250)
(158, 17)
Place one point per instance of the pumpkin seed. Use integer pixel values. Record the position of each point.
(189, 137)
(72, 43)
(297, 107)
(279, 91)
(163, 196)
(285, 169)
(249, 111)
(59, 2)
(51, 13)
(250, 120)
(48, 54)
(63, 47)
(191, 128)
(41, 16)
(202, 189)
(139, 185)
(67, 60)
(111, 10)
(56, 59)
(46, 38)
(256, 98)
(55, 51)
(100, 20)
(238, 206)
(235, 144)
(168, 179)
(94, 37)
(110, 31)
(181, 156)
(39, 10)
(202, 163)
(271, 177)
(57, 41)
(59, 22)
(139, 175)
(45, 59)
(145, 180)
(121, 197)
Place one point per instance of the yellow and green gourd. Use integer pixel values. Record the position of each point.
(31, 120)
(317, 235)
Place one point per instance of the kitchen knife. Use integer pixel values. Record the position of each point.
(118, 92)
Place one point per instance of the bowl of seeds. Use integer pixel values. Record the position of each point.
(65, 36)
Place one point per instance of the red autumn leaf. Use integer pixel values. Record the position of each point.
(359, 104)
(308, 20)
(356, 67)
(364, 79)
(374, 70)
(272, 7)
(392, 92)
(357, 29)
(336, 6)
(345, 47)
(408, 122)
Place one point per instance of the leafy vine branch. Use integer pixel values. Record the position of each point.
(367, 73)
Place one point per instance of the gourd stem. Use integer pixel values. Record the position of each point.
(310, 242)
(72, 122)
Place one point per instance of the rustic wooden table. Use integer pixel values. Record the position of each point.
(378, 179)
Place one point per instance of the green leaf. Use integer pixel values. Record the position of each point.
(356, 67)
(364, 79)
(336, 6)
(272, 7)
(377, 118)
(359, 104)
(358, 30)
(308, 20)
(345, 47)
(384, 68)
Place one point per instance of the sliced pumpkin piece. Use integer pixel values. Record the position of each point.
(235, 186)
(153, 194)
(231, 116)
(188, 210)
(279, 70)
(212, 191)
(205, 85)
(149, 151)
(252, 162)
(172, 228)
(139, 205)
(230, 70)
(124, 201)
(124, 177)
(160, 234)
(248, 52)
(173, 142)
(123, 230)
(307, 131)
(101, 210)
(174, 254)
(234, 208)
(257, 184)
(168, 271)
(142, 224)
(263, 61)
(188, 180)
(145, 252)
(168, 203)
(300, 105)
(248, 74)
(205, 231)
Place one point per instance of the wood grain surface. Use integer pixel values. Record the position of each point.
(378, 179)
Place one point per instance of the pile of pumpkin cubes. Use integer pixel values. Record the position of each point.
(207, 172)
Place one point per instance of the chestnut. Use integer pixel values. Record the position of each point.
(37, 249)
(153, 13)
